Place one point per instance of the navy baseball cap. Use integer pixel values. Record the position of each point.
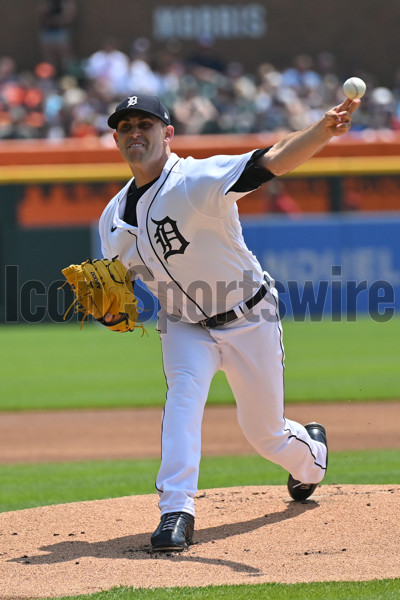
(143, 102)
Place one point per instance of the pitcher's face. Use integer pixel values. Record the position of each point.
(142, 138)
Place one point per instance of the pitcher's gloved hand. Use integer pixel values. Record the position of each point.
(104, 290)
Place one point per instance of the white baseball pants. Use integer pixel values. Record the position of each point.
(250, 352)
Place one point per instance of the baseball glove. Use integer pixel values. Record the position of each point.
(101, 287)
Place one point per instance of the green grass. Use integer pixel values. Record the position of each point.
(56, 366)
(59, 366)
(335, 361)
(386, 589)
(30, 485)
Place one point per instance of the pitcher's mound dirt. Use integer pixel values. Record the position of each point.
(243, 535)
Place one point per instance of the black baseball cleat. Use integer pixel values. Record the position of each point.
(301, 491)
(175, 532)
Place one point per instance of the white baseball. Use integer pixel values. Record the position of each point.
(354, 88)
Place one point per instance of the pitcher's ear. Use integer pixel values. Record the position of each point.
(169, 133)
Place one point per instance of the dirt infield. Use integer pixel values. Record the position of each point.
(129, 433)
(243, 535)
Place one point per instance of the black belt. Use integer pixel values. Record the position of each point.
(227, 317)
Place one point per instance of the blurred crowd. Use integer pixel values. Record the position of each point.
(204, 94)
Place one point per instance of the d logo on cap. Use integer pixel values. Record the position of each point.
(140, 102)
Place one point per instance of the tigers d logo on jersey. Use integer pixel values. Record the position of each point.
(169, 237)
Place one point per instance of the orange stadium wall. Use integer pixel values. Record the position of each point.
(69, 182)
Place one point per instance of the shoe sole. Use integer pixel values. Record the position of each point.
(171, 548)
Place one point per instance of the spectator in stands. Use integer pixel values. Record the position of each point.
(301, 77)
(111, 66)
(205, 58)
(56, 18)
(142, 78)
(383, 108)
(8, 70)
(206, 96)
(193, 112)
(330, 84)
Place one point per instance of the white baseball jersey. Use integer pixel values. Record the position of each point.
(188, 247)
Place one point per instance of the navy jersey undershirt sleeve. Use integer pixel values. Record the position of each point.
(253, 175)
